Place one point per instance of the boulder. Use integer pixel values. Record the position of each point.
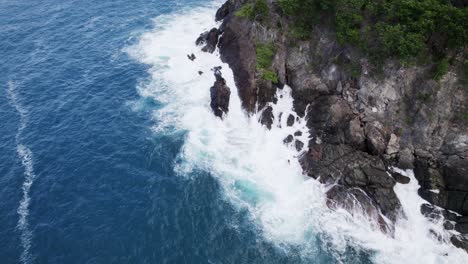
(393, 145)
(288, 139)
(290, 120)
(405, 159)
(267, 117)
(400, 178)
(220, 95)
(375, 140)
(298, 144)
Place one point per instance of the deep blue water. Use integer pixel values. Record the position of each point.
(104, 190)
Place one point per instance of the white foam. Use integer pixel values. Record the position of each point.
(25, 155)
(257, 171)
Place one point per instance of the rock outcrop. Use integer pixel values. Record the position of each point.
(209, 39)
(362, 121)
(220, 94)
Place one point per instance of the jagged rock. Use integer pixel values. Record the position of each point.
(351, 118)
(355, 200)
(406, 159)
(200, 72)
(431, 181)
(267, 117)
(355, 134)
(298, 133)
(191, 57)
(290, 121)
(238, 50)
(223, 11)
(298, 144)
(288, 139)
(459, 242)
(353, 169)
(393, 145)
(220, 95)
(210, 39)
(375, 140)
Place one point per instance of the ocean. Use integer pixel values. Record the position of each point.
(110, 152)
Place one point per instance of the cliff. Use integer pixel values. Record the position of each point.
(363, 119)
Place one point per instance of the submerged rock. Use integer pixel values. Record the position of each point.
(288, 139)
(298, 144)
(220, 95)
(191, 57)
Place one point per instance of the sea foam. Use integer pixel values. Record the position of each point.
(256, 170)
(26, 158)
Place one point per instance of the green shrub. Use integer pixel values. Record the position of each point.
(246, 11)
(257, 10)
(265, 54)
(270, 76)
(441, 69)
(402, 29)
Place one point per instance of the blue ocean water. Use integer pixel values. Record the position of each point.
(84, 177)
(104, 188)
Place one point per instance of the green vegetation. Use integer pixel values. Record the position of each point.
(265, 55)
(402, 29)
(441, 69)
(270, 76)
(258, 10)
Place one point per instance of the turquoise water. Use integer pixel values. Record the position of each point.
(103, 183)
(109, 152)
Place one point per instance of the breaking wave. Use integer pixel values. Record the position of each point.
(256, 170)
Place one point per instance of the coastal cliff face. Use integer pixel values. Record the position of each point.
(363, 120)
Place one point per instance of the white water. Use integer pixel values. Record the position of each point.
(257, 171)
(25, 155)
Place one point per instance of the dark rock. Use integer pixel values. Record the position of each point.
(456, 200)
(223, 11)
(200, 72)
(220, 95)
(298, 133)
(378, 176)
(290, 121)
(355, 134)
(400, 178)
(201, 40)
(355, 200)
(299, 145)
(329, 116)
(459, 242)
(351, 119)
(191, 57)
(405, 159)
(430, 180)
(267, 117)
(456, 173)
(288, 139)
(237, 49)
(375, 140)
(341, 163)
(210, 39)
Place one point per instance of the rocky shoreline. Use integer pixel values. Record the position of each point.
(362, 123)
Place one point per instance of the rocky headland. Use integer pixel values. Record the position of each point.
(363, 119)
